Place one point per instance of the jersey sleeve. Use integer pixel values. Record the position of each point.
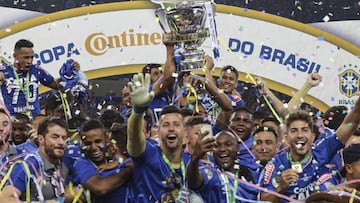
(82, 171)
(44, 77)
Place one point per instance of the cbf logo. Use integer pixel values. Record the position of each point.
(349, 82)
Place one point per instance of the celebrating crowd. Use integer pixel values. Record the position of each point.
(179, 137)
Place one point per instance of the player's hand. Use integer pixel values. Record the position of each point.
(208, 63)
(287, 177)
(166, 41)
(203, 146)
(75, 65)
(139, 90)
(314, 79)
(261, 85)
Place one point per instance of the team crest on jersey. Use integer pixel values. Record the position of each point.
(209, 173)
(269, 168)
(349, 83)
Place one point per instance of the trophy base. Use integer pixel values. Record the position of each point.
(191, 65)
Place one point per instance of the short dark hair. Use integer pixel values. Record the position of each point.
(197, 120)
(90, 125)
(271, 119)
(4, 112)
(50, 121)
(147, 68)
(265, 129)
(23, 43)
(110, 116)
(119, 134)
(232, 69)
(52, 102)
(242, 108)
(20, 116)
(169, 109)
(299, 115)
(186, 112)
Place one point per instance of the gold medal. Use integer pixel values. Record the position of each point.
(297, 167)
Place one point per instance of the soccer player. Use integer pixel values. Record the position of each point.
(20, 80)
(302, 170)
(220, 183)
(45, 165)
(159, 168)
(85, 172)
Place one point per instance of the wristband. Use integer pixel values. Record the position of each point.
(139, 110)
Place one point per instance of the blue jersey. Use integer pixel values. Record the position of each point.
(16, 84)
(27, 146)
(159, 101)
(153, 178)
(236, 101)
(53, 180)
(316, 176)
(336, 160)
(246, 158)
(83, 169)
(219, 187)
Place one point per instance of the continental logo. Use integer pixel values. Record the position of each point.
(99, 43)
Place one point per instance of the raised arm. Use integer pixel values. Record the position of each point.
(194, 177)
(101, 186)
(140, 98)
(265, 91)
(313, 80)
(167, 80)
(219, 96)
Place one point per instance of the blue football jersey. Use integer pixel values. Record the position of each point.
(17, 91)
(316, 176)
(220, 186)
(153, 179)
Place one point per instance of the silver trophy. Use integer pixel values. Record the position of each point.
(184, 22)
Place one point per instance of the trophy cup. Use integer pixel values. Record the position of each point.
(184, 22)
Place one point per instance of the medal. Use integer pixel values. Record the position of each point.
(297, 167)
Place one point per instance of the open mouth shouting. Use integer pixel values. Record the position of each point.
(300, 144)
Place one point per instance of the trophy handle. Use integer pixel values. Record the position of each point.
(160, 13)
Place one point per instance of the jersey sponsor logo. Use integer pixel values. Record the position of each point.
(323, 178)
(301, 193)
(269, 168)
(209, 173)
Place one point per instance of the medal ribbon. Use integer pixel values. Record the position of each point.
(182, 166)
(24, 88)
(230, 195)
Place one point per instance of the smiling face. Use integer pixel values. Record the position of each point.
(95, 143)
(53, 144)
(23, 58)
(19, 132)
(265, 146)
(225, 152)
(171, 131)
(242, 124)
(155, 74)
(300, 138)
(228, 81)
